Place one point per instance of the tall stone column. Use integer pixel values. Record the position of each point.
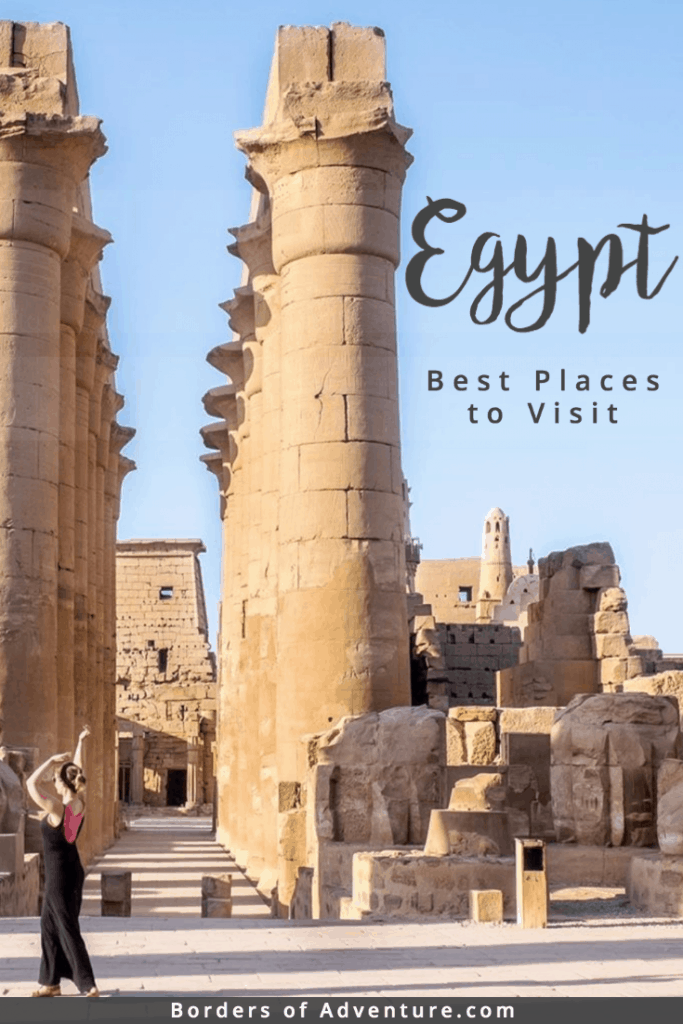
(253, 245)
(119, 436)
(223, 402)
(43, 160)
(247, 541)
(333, 162)
(85, 678)
(87, 243)
(192, 769)
(104, 549)
(136, 769)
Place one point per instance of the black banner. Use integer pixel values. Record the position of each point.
(137, 1010)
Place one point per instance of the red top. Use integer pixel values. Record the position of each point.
(71, 824)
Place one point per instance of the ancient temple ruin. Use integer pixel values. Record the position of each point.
(165, 675)
(344, 788)
(313, 622)
(466, 617)
(61, 466)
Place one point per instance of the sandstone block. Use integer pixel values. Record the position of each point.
(476, 713)
(377, 421)
(12, 853)
(634, 667)
(611, 645)
(655, 884)
(612, 599)
(610, 622)
(597, 577)
(566, 578)
(456, 752)
(527, 720)
(11, 800)
(605, 749)
(613, 671)
(670, 808)
(486, 906)
(482, 792)
(468, 833)
(598, 553)
(116, 893)
(215, 907)
(567, 602)
(567, 648)
(480, 741)
(217, 886)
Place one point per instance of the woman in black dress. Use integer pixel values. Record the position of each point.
(63, 950)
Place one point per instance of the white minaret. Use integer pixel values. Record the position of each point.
(496, 564)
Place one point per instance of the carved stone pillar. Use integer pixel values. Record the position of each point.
(43, 160)
(253, 246)
(87, 243)
(335, 193)
(85, 679)
(118, 437)
(331, 158)
(106, 539)
(136, 769)
(192, 769)
(223, 402)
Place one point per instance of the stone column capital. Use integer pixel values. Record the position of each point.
(253, 245)
(126, 466)
(333, 162)
(229, 359)
(106, 359)
(222, 403)
(218, 436)
(120, 436)
(94, 314)
(327, 123)
(85, 249)
(68, 143)
(214, 464)
(240, 310)
(43, 160)
(87, 242)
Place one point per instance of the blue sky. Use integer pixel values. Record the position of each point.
(557, 120)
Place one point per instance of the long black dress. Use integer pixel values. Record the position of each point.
(63, 950)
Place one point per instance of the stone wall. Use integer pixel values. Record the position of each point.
(606, 751)
(461, 660)
(451, 586)
(19, 892)
(166, 680)
(392, 883)
(372, 784)
(578, 638)
(514, 742)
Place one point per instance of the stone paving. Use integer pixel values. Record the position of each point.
(165, 948)
(168, 856)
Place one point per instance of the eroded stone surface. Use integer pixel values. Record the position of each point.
(605, 752)
(61, 466)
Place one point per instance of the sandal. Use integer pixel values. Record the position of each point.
(47, 990)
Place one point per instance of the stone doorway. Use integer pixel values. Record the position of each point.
(124, 783)
(176, 787)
